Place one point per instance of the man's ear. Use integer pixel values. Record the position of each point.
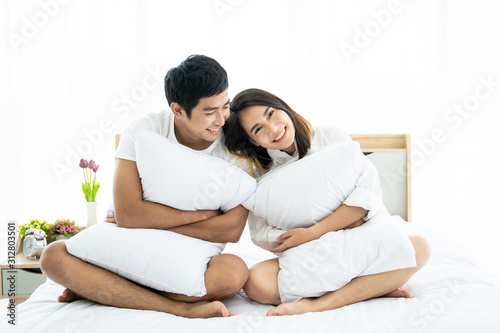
(177, 110)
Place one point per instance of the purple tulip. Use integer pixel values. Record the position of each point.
(83, 163)
(92, 164)
(96, 168)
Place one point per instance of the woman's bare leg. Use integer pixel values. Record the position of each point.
(360, 288)
(262, 285)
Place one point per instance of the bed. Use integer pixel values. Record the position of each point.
(451, 293)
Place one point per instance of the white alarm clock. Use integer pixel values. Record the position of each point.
(34, 243)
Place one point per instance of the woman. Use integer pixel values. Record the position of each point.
(264, 131)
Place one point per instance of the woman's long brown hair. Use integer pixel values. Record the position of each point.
(237, 140)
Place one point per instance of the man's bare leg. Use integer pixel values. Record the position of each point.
(360, 288)
(225, 276)
(102, 286)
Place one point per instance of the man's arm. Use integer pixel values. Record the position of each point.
(224, 228)
(131, 211)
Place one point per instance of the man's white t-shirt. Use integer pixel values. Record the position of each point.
(163, 124)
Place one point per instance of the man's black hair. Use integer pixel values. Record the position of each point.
(196, 77)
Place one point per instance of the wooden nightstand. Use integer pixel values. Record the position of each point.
(25, 275)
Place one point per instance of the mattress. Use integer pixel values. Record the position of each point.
(451, 294)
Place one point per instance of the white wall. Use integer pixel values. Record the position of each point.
(75, 72)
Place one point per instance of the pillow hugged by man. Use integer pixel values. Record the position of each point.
(197, 94)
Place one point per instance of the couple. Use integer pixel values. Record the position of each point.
(197, 93)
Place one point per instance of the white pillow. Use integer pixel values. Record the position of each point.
(301, 193)
(187, 179)
(181, 178)
(158, 259)
(333, 260)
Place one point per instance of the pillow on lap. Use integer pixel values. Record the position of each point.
(158, 259)
(333, 260)
(181, 178)
(301, 193)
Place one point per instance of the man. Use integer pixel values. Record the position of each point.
(196, 91)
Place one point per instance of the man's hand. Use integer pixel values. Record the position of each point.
(110, 218)
(221, 228)
(293, 238)
(355, 224)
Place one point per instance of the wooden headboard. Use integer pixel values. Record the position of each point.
(117, 140)
(390, 153)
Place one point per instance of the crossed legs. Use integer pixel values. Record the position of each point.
(262, 285)
(101, 286)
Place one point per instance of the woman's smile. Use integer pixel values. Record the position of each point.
(281, 136)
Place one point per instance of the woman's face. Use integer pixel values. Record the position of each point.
(269, 127)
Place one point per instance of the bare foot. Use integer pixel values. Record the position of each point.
(287, 309)
(206, 310)
(68, 296)
(399, 293)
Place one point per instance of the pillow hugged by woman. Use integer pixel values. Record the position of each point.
(318, 207)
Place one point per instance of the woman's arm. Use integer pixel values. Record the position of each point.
(131, 211)
(344, 217)
(263, 235)
(368, 192)
(363, 202)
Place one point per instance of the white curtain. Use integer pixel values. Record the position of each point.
(75, 72)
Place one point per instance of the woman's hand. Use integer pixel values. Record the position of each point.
(293, 238)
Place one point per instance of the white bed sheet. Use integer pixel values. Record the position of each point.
(452, 294)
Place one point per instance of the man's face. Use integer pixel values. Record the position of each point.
(206, 122)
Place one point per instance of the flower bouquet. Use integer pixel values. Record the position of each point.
(65, 228)
(43, 225)
(90, 186)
